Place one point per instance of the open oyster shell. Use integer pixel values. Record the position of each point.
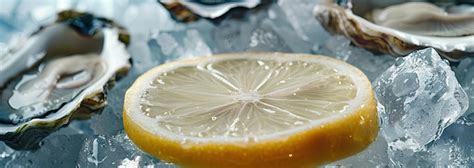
(62, 68)
(185, 10)
(399, 27)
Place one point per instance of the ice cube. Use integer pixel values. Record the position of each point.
(300, 15)
(340, 47)
(171, 45)
(467, 119)
(6, 154)
(145, 17)
(464, 73)
(7, 8)
(264, 38)
(466, 78)
(114, 151)
(262, 30)
(455, 147)
(255, 33)
(418, 97)
(287, 33)
(103, 8)
(95, 151)
(231, 36)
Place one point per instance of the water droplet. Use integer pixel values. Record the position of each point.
(160, 81)
(362, 120)
(184, 141)
(298, 123)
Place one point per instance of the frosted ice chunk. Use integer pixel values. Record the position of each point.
(264, 38)
(301, 17)
(464, 73)
(258, 33)
(455, 147)
(418, 97)
(147, 16)
(261, 30)
(172, 45)
(114, 151)
(340, 47)
(231, 35)
(277, 20)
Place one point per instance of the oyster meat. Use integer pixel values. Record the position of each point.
(58, 70)
(399, 27)
(424, 19)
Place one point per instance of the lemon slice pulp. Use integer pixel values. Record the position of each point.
(252, 109)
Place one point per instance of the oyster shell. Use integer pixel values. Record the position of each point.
(60, 69)
(185, 10)
(398, 27)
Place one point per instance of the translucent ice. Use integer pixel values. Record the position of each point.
(144, 16)
(301, 17)
(464, 73)
(114, 151)
(341, 48)
(231, 35)
(256, 33)
(418, 97)
(172, 45)
(280, 25)
(265, 38)
(455, 148)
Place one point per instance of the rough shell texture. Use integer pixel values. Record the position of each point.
(112, 40)
(188, 10)
(338, 18)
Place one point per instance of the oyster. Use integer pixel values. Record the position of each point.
(60, 69)
(398, 27)
(185, 10)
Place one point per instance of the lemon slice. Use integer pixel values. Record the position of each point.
(252, 110)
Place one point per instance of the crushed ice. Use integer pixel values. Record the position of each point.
(286, 26)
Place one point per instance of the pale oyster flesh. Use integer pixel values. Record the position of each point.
(56, 83)
(54, 40)
(425, 19)
(59, 68)
(399, 27)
